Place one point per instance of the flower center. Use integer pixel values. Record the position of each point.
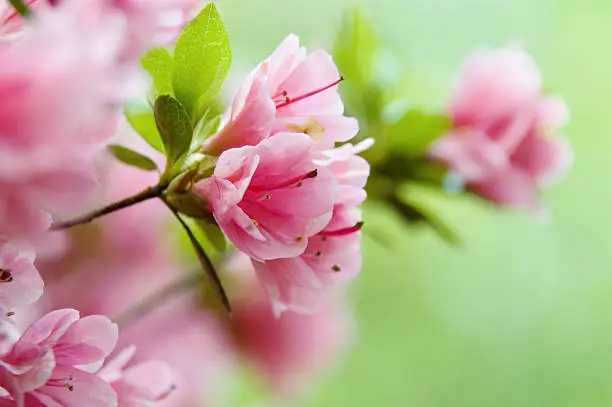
(284, 99)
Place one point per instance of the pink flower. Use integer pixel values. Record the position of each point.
(288, 348)
(49, 365)
(502, 144)
(154, 22)
(333, 255)
(20, 283)
(150, 22)
(60, 88)
(270, 198)
(141, 385)
(291, 91)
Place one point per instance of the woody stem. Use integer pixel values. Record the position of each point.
(149, 193)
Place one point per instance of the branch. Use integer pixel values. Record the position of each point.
(149, 193)
(207, 265)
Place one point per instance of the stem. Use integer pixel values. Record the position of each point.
(207, 265)
(149, 193)
(20, 7)
(186, 283)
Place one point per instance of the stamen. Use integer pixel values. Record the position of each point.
(299, 238)
(284, 184)
(289, 101)
(5, 276)
(10, 313)
(318, 253)
(255, 222)
(336, 268)
(341, 232)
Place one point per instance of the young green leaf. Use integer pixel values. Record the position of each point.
(174, 127)
(415, 131)
(158, 63)
(131, 157)
(213, 234)
(201, 60)
(140, 117)
(355, 49)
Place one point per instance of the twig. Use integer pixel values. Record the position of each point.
(207, 265)
(149, 193)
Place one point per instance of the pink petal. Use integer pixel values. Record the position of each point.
(88, 390)
(26, 285)
(494, 84)
(88, 340)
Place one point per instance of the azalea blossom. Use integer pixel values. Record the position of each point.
(61, 85)
(333, 255)
(20, 283)
(504, 144)
(270, 198)
(291, 91)
(149, 22)
(52, 361)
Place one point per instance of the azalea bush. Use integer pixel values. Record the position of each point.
(197, 234)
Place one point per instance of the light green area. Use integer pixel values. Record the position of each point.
(521, 315)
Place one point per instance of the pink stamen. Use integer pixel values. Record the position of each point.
(342, 232)
(293, 181)
(287, 100)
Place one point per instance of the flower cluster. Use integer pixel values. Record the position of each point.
(57, 361)
(280, 174)
(501, 145)
(281, 191)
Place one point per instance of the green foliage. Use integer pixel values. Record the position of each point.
(131, 157)
(213, 233)
(415, 131)
(201, 61)
(159, 64)
(174, 127)
(141, 118)
(355, 48)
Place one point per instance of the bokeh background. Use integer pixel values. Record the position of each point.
(520, 314)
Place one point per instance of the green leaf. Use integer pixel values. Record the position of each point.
(355, 49)
(131, 157)
(158, 63)
(201, 60)
(213, 234)
(174, 127)
(413, 212)
(140, 117)
(412, 134)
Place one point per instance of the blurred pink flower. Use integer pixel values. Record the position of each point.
(291, 91)
(191, 339)
(50, 363)
(289, 347)
(61, 87)
(141, 385)
(503, 145)
(154, 22)
(149, 22)
(20, 283)
(333, 255)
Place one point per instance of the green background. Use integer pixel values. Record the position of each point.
(521, 313)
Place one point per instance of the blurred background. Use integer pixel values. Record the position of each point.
(520, 313)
